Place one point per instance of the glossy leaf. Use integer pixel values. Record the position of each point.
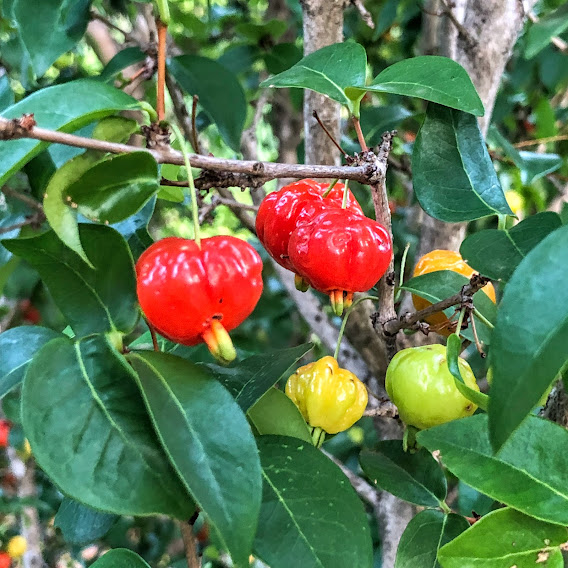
(220, 93)
(6, 93)
(424, 535)
(113, 190)
(432, 78)
(329, 71)
(415, 477)
(81, 524)
(528, 473)
(530, 340)
(49, 28)
(437, 286)
(123, 59)
(18, 345)
(92, 100)
(376, 120)
(249, 379)
(209, 443)
(506, 538)
(310, 515)
(450, 141)
(92, 300)
(120, 557)
(276, 414)
(541, 32)
(453, 350)
(497, 253)
(84, 395)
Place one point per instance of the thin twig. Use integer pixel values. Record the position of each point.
(266, 170)
(329, 134)
(23, 198)
(189, 543)
(153, 335)
(359, 132)
(558, 42)
(546, 140)
(30, 221)
(194, 133)
(96, 16)
(366, 16)
(161, 83)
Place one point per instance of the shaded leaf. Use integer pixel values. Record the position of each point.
(93, 300)
(6, 93)
(528, 473)
(414, 477)
(497, 253)
(432, 78)
(209, 443)
(220, 93)
(530, 340)
(424, 535)
(120, 557)
(506, 538)
(310, 515)
(18, 346)
(552, 24)
(376, 120)
(84, 396)
(92, 100)
(123, 59)
(453, 175)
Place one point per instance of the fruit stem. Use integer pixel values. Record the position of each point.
(318, 436)
(331, 186)
(345, 194)
(402, 268)
(192, 191)
(162, 27)
(359, 132)
(460, 321)
(482, 318)
(163, 11)
(344, 322)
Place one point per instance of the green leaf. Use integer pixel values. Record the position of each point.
(120, 557)
(92, 100)
(432, 78)
(209, 443)
(113, 190)
(377, 120)
(442, 284)
(80, 524)
(18, 345)
(93, 300)
(84, 395)
(310, 515)
(329, 71)
(424, 535)
(528, 473)
(540, 33)
(12, 211)
(453, 350)
(281, 57)
(123, 59)
(250, 378)
(276, 414)
(497, 253)
(257, 32)
(415, 477)
(6, 93)
(533, 165)
(220, 93)
(453, 175)
(506, 538)
(530, 340)
(49, 28)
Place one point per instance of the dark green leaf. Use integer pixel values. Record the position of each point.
(453, 175)
(93, 300)
(81, 524)
(528, 473)
(6, 93)
(506, 538)
(432, 78)
(49, 28)
(437, 286)
(281, 57)
(249, 379)
(113, 190)
(18, 346)
(310, 515)
(92, 100)
(209, 443)
(423, 537)
(124, 58)
(453, 350)
(376, 120)
(257, 32)
(139, 241)
(416, 478)
(84, 395)
(530, 340)
(533, 165)
(497, 254)
(328, 71)
(120, 557)
(276, 414)
(135, 227)
(220, 93)
(12, 212)
(541, 32)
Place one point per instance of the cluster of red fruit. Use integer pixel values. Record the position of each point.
(322, 235)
